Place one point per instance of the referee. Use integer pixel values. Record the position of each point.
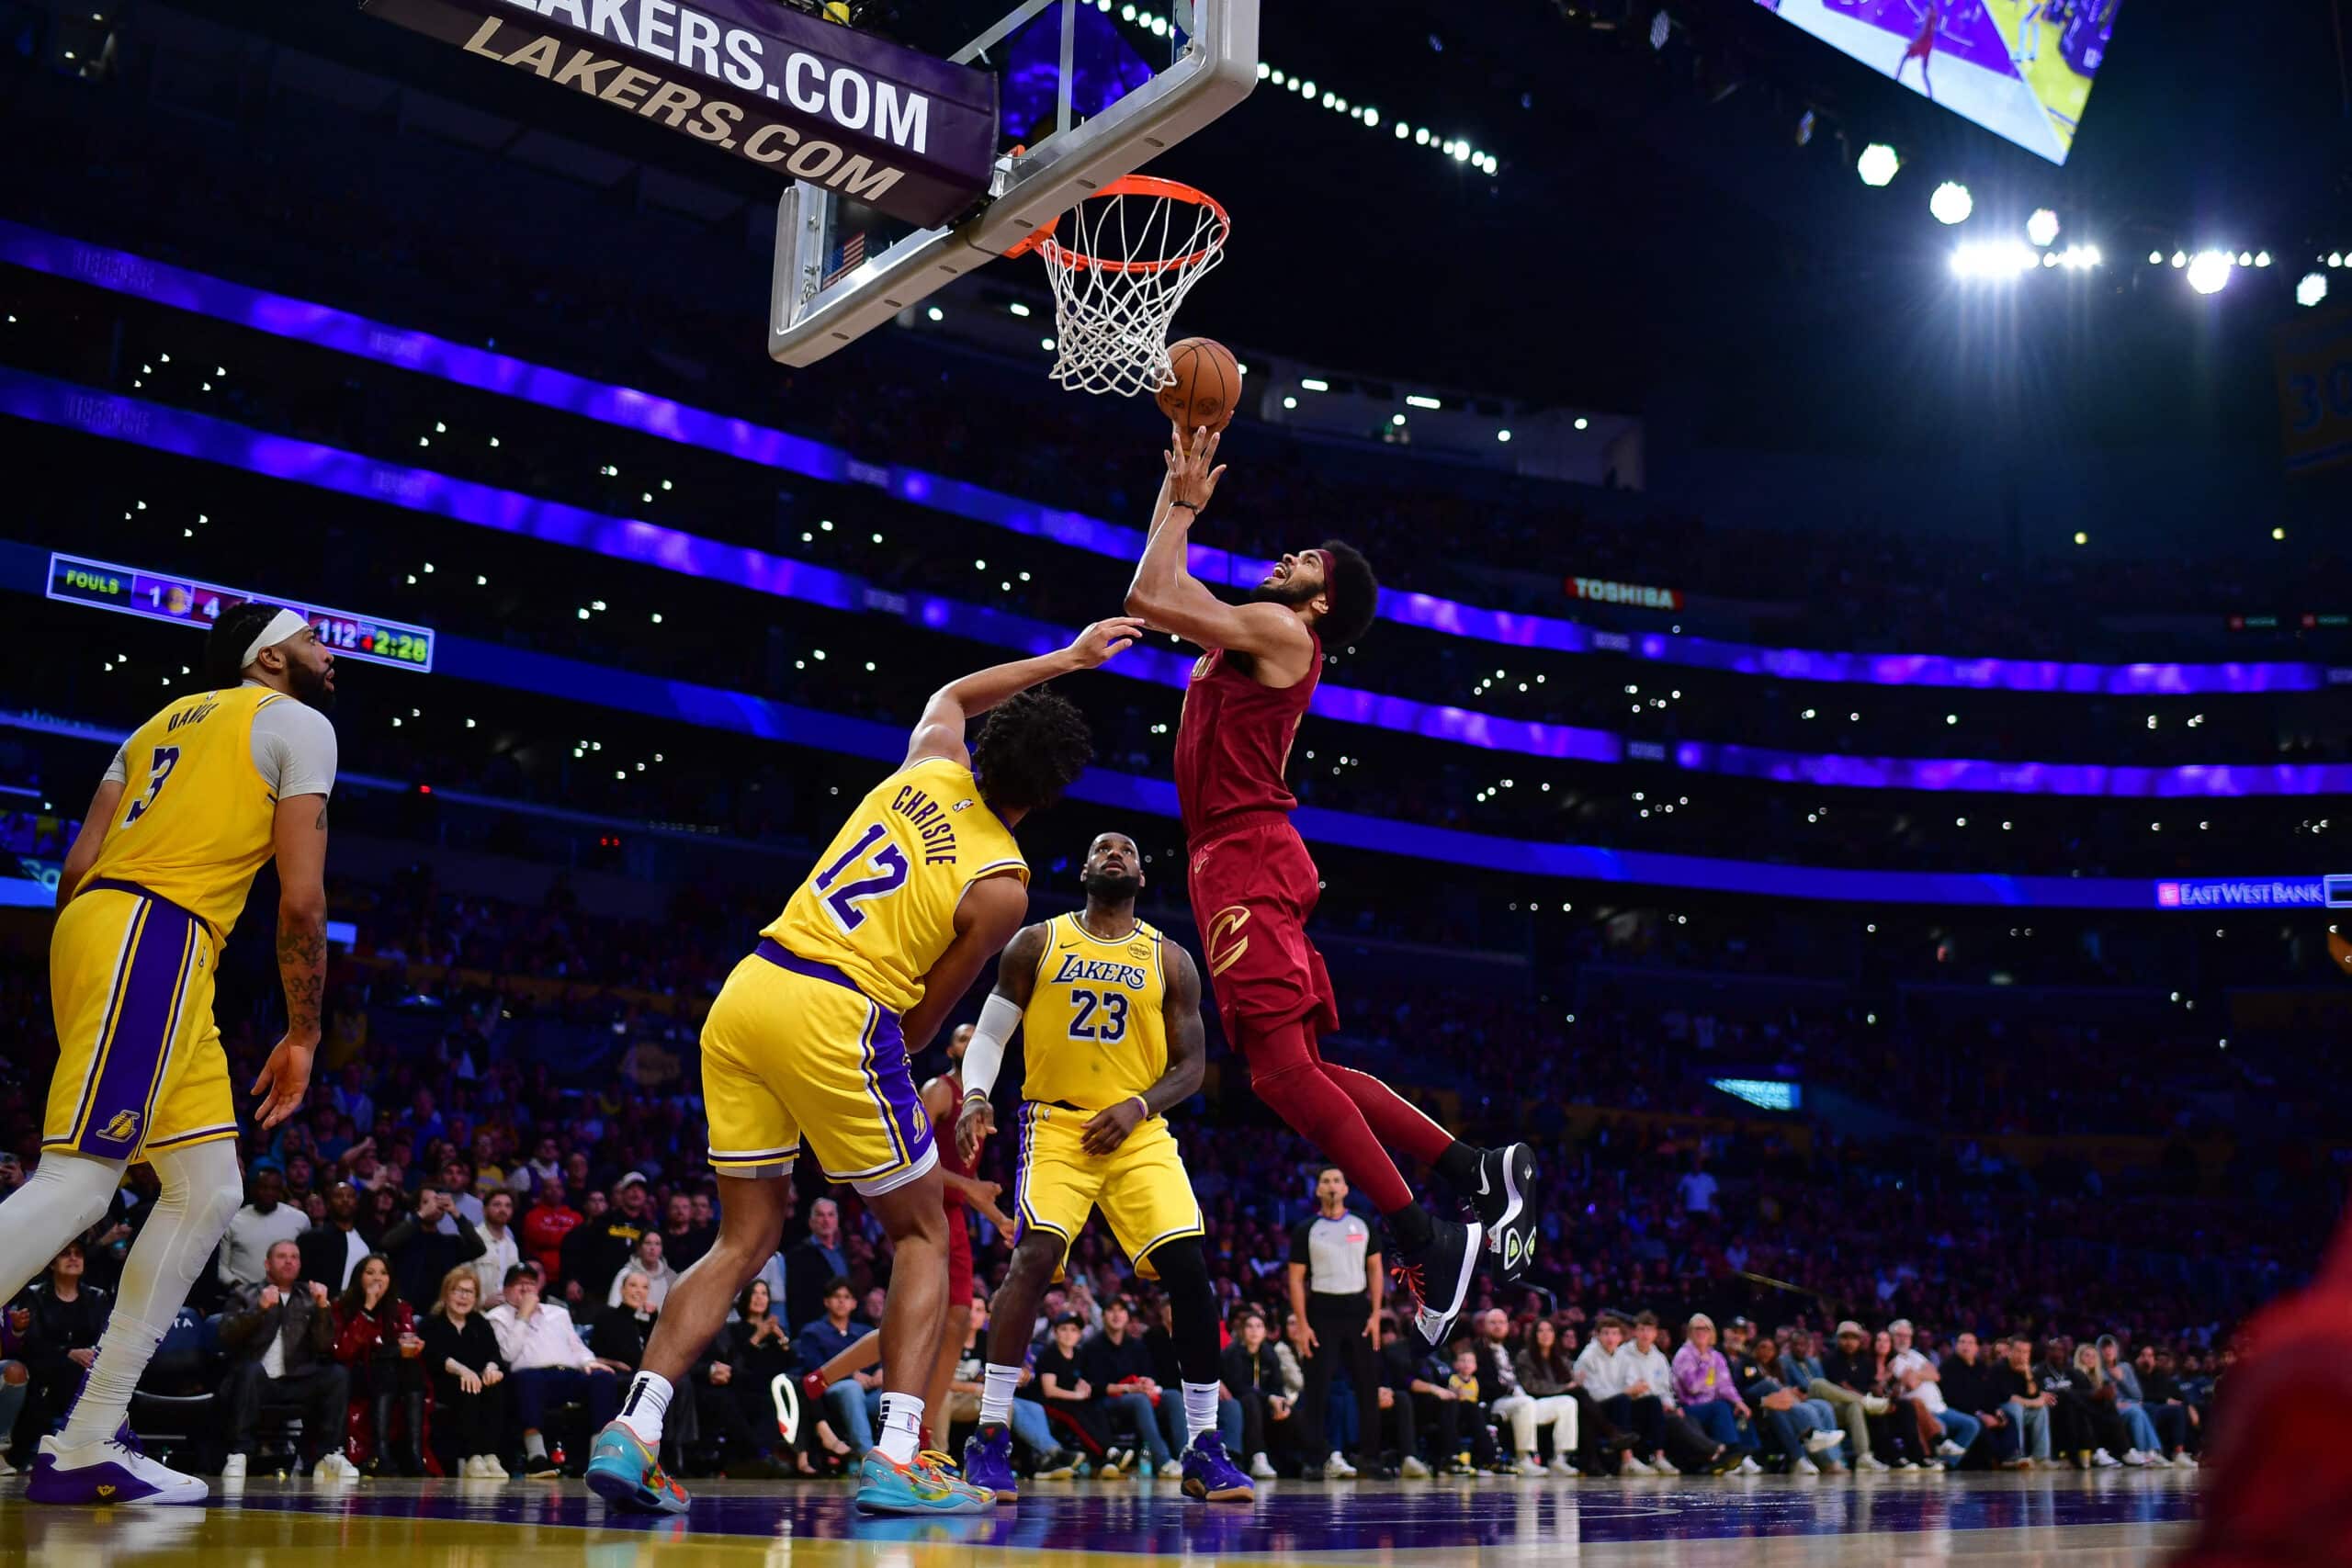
(1335, 1287)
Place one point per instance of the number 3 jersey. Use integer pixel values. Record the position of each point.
(201, 781)
(880, 905)
(1094, 1032)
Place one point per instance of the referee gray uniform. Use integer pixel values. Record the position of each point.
(1333, 1253)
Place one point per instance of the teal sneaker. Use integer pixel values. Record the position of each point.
(628, 1476)
(916, 1488)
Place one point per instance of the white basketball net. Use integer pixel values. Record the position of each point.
(1121, 263)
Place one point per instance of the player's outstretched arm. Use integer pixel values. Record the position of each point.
(940, 731)
(1167, 594)
(1188, 1058)
(105, 805)
(1016, 981)
(299, 833)
(990, 912)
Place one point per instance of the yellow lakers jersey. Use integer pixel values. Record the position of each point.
(1093, 1034)
(880, 906)
(197, 819)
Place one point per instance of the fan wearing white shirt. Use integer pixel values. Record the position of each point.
(550, 1364)
(1922, 1383)
(500, 1249)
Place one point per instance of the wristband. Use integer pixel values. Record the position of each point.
(1193, 507)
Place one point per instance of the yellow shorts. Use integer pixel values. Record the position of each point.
(793, 1050)
(1141, 1186)
(140, 1067)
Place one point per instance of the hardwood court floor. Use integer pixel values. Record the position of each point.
(2046, 1519)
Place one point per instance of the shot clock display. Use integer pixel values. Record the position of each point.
(157, 596)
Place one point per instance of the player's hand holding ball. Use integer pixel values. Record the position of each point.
(1104, 640)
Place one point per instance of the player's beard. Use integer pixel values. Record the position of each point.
(311, 688)
(1103, 887)
(1289, 594)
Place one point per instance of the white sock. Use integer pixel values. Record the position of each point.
(901, 1427)
(996, 1395)
(124, 1350)
(64, 1196)
(647, 1402)
(1200, 1409)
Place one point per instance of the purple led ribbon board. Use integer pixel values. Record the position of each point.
(178, 431)
(625, 406)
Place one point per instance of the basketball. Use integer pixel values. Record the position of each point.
(1208, 389)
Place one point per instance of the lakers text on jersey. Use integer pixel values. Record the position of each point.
(1095, 1034)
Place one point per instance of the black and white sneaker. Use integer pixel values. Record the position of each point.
(1506, 1208)
(1438, 1275)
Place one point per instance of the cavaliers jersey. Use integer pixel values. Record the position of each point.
(1094, 1033)
(881, 905)
(1234, 741)
(200, 817)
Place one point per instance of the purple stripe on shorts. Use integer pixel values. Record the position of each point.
(892, 1085)
(143, 1026)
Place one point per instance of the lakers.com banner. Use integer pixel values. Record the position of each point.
(909, 134)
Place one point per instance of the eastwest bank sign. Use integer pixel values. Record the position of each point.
(908, 134)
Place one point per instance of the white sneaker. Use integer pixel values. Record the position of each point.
(1804, 1467)
(1874, 1405)
(1749, 1467)
(1633, 1466)
(1337, 1468)
(234, 1468)
(2102, 1460)
(1822, 1440)
(106, 1471)
(493, 1467)
(6, 1468)
(1565, 1468)
(1871, 1462)
(1530, 1465)
(334, 1467)
(1415, 1467)
(2184, 1460)
(1261, 1467)
(2134, 1458)
(1950, 1450)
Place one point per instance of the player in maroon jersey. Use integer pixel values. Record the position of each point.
(1253, 886)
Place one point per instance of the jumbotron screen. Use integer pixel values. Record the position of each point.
(2021, 69)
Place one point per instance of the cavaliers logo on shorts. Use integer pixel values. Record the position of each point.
(1222, 938)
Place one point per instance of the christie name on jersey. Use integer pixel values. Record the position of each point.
(932, 823)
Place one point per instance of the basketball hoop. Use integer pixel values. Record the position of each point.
(1137, 247)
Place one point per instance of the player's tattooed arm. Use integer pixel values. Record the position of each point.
(1188, 1048)
(298, 833)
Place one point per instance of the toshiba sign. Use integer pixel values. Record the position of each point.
(1599, 591)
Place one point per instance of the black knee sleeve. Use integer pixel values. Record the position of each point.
(1184, 1270)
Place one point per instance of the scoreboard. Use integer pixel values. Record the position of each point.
(158, 596)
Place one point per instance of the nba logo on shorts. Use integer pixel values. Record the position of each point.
(122, 1129)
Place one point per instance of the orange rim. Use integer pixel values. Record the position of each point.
(1132, 184)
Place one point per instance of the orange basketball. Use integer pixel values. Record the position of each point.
(1208, 389)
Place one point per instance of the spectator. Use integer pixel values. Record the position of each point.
(255, 1229)
(1920, 1383)
(501, 1249)
(331, 1250)
(1602, 1377)
(2071, 1430)
(684, 1238)
(1498, 1377)
(426, 1245)
(1118, 1365)
(1805, 1429)
(2108, 1429)
(1027, 1417)
(647, 1263)
(1253, 1377)
(2174, 1418)
(58, 1340)
(1335, 1286)
(376, 1339)
(2147, 1447)
(281, 1337)
(550, 1365)
(1474, 1436)
(1980, 1389)
(1697, 1189)
(854, 1403)
(1848, 1382)
(462, 1357)
(1703, 1389)
(599, 1248)
(813, 1264)
(545, 1224)
(732, 1384)
(1071, 1400)
(2026, 1402)
(1545, 1371)
(1399, 1368)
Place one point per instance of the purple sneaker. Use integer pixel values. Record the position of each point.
(987, 1463)
(106, 1472)
(1211, 1476)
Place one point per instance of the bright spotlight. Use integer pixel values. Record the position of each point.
(2262, 258)
(2076, 258)
(1877, 164)
(2245, 258)
(2042, 227)
(2336, 258)
(2208, 271)
(2155, 258)
(2179, 258)
(2312, 289)
(1951, 203)
(1993, 259)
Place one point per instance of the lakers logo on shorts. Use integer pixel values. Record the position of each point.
(1223, 939)
(122, 1129)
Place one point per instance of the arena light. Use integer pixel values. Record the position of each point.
(1951, 203)
(2155, 258)
(1416, 401)
(2208, 271)
(2078, 258)
(2042, 227)
(1503, 435)
(1993, 259)
(2312, 289)
(1312, 384)
(1878, 163)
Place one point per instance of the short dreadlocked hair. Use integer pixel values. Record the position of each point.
(1354, 593)
(1030, 749)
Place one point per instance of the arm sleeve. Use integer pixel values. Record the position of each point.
(985, 1057)
(294, 747)
(118, 771)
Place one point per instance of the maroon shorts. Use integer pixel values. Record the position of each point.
(959, 1258)
(1253, 887)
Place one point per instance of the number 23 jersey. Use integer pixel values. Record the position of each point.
(1094, 1033)
(880, 905)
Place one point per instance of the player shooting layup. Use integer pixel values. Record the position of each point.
(195, 802)
(1253, 884)
(811, 1035)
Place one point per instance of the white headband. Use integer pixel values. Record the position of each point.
(283, 624)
